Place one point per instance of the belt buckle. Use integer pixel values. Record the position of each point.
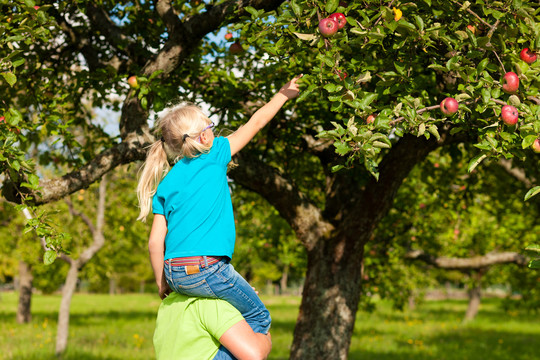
(192, 269)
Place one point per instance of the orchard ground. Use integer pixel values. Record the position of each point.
(121, 327)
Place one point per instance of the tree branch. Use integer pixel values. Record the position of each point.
(473, 263)
(517, 173)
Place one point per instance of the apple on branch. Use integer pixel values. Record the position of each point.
(340, 19)
(510, 82)
(228, 36)
(328, 27)
(536, 146)
(527, 55)
(509, 115)
(449, 106)
(132, 81)
(370, 119)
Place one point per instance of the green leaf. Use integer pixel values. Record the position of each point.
(34, 180)
(482, 65)
(532, 192)
(10, 78)
(308, 37)
(252, 11)
(533, 248)
(331, 6)
(380, 144)
(434, 131)
(366, 100)
(296, 8)
(342, 148)
(534, 264)
(304, 94)
(475, 161)
(49, 257)
(528, 141)
(18, 62)
(337, 168)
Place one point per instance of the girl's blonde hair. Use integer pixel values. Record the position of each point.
(180, 128)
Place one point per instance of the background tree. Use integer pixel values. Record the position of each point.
(397, 61)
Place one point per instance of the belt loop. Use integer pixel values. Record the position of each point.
(205, 261)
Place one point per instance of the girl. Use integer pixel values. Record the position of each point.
(193, 228)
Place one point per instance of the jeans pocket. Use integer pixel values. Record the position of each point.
(191, 285)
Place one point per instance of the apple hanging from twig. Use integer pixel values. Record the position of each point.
(132, 81)
(536, 146)
(509, 115)
(328, 27)
(339, 18)
(527, 55)
(449, 106)
(510, 82)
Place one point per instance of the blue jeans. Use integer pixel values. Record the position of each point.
(220, 280)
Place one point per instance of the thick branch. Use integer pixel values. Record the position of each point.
(55, 189)
(517, 173)
(472, 263)
(303, 216)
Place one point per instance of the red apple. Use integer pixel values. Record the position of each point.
(536, 146)
(509, 115)
(236, 48)
(370, 119)
(36, 7)
(132, 81)
(2, 119)
(328, 27)
(510, 82)
(449, 106)
(527, 55)
(228, 36)
(339, 18)
(342, 75)
(472, 28)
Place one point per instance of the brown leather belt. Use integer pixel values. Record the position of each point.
(193, 264)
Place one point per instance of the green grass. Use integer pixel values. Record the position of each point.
(121, 327)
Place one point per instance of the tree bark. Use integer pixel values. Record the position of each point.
(329, 301)
(63, 312)
(24, 314)
(475, 295)
(75, 265)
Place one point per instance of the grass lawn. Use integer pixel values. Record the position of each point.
(121, 327)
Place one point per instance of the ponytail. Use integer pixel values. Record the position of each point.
(152, 172)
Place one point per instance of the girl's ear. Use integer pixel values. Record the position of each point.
(204, 138)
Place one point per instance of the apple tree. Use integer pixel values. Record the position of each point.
(331, 163)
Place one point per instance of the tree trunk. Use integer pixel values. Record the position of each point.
(283, 280)
(24, 314)
(329, 303)
(63, 313)
(475, 295)
(112, 285)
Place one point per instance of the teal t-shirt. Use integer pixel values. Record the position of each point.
(195, 199)
(190, 327)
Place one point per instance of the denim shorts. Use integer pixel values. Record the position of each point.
(221, 281)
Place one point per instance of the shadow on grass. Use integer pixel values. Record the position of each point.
(467, 343)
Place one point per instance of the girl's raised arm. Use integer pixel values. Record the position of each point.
(245, 133)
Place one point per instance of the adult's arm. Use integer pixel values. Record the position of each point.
(243, 343)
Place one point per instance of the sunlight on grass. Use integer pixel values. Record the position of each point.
(121, 327)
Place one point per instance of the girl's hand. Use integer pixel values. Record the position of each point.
(291, 89)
